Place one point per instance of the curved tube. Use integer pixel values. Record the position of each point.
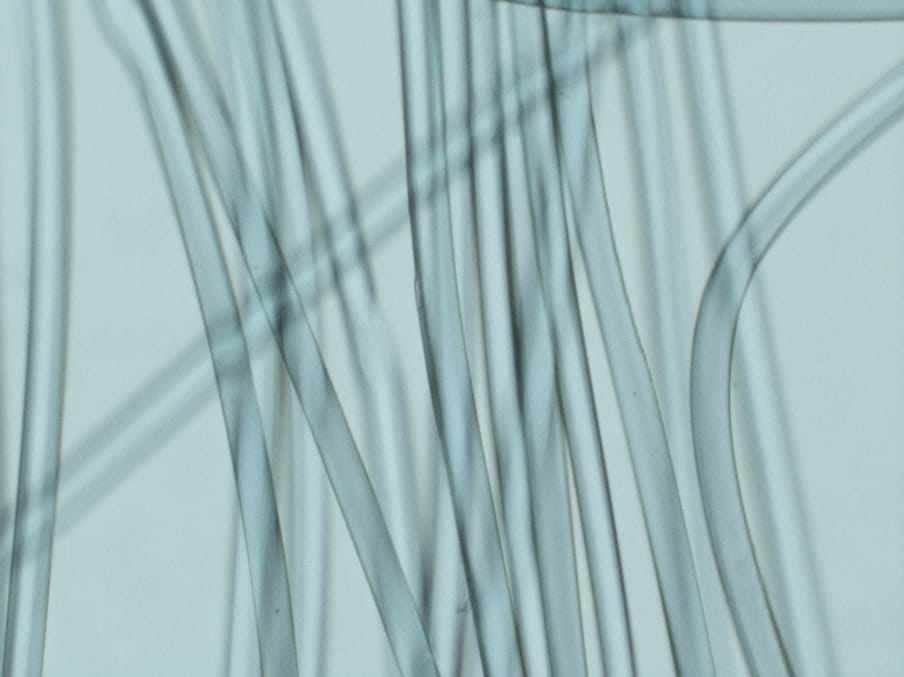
(712, 352)
(798, 601)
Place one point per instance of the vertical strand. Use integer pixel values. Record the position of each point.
(439, 312)
(42, 418)
(576, 397)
